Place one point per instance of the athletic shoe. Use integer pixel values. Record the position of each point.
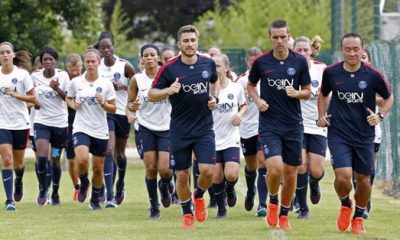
(75, 195)
(200, 210)
(222, 213)
(249, 200)
(55, 199)
(19, 189)
(42, 199)
(315, 193)
(295, 206)
(303, 215)
(231, 197)
(110, 204)
(120, 192)
(154, 213)
(284, 223)
(357, 226)
(261, 211)
(188, 222)
(83, 192)
(213, 203)
(166, 198)
(343, 221)
(272, 215)
(10, 206)
(94, 205)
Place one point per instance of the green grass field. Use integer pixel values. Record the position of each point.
(130, 221)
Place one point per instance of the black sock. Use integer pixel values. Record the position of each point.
(196, 173)
(250, 179)
(95, 194)
(56, 177)
(230, 185)
(262, 187)
(273, 199)
(358, 212)
(19, 173)
(219, 190)
(49, 174)
(187, 207)
(199, 192)
(301, 190)
(151, 185)
(315, 181)
(372, 178)
(346, 201)
(84, 181)
(121, 165)
(76, 186)
(284, 210)
(42, 172)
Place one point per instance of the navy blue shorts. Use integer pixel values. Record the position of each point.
(250, 146)
(286, 144)
(154, 140)
(57, 137)
(97, 147)
(17, 138)
(314, 143)
(69, 146)
(181, 151)
(32, 143)
(119, 124)
(228, 155)
(361, 159)
(138, 143)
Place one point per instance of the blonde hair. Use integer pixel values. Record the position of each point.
(92, 50)
(316, 44)
(225, 60)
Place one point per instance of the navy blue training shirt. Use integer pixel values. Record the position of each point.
(352, 94)
(190, 115)
(284, 112)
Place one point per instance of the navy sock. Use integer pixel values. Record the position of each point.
(56, 177)
(273, 199)
(115, 167)
(301, 190)
(284, 210)
(187, 207)
(262, 186)
(220, 194)
(42, 170)
(358, 212)
(151, 185)
(199, 192)
(8, 180)
(95, 194)
(49, 174)
(346, 201)
(121, 165)
(108, 176)
(250, 179)
(196, 172)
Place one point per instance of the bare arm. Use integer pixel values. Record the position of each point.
(236, 120)
(60, 92)
(29, 97)
(303, 93)
(156, 95)
(261, 103)
(132, 95)
(323, 102)
(71, 103)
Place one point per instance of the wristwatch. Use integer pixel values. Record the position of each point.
(381, 115)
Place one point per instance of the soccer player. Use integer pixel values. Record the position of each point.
(74, 68)
(227, 118)
(118, 71)
(154, 119)
(284, 80)
(16, 89)
(314, 140)
(189, 81)
(255, 162)
(350, 123)
(91, 97)
(50, 122)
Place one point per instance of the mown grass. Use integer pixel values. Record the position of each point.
(130, 221)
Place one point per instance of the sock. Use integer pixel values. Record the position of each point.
(56, 178)
(273, 199)
(19, 173)
(358, 212)
(36, 172)
(372, 178)
(196, 172)
(151, 185)
(49, 173)
(301, 190)
(42, 170)
(199, 192)
(230, 186)
(220, 194)
(108, 176)
(121, 165)
(262, 187)
(76, 186)
(284, 210)
(250, 179)
(115, 167)
(84, 181)
(346, 201)
(210, 192)
(95, 194)
(8, 180)
(315, 181)
(187, 206)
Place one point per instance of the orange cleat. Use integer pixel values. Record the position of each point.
(75, 195)
(272, 215)
(200, 209)
(188, 222)
(357, 226)
(284, 223)
(343, 221)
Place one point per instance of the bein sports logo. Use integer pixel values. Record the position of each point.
(351, 97)
(88, 100)
(47, 93)
(280, 84)
(196, 88)
(225, 107)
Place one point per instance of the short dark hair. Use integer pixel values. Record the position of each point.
(105, 35)
(49, 50)
(351, 35)
(253, 51)
(279, 23)
(188, 29)
(146, 46)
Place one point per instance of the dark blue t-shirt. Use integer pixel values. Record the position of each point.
(284, 113)
(352, 94)
(190, 115)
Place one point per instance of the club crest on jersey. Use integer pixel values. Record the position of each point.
(99, 89)
(362, 84)
(205, 74)
(291, 71)
(314, 83)
(230, 96)
(117, 75)
(14, 80)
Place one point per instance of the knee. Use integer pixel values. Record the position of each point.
(151, 172)
(7, 161)
(182, 176)
(274, 172)
(231, 177)
(110, 151)
(97, 169)
(207, 171)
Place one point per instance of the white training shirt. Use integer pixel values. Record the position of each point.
(31, 118)
(91, 118)
(155, 116)
(249, 124)
(13, 112)
(309, 108)
(53, 109)
(116, 73)
(230, 99)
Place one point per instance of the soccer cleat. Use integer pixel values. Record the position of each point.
(249, 200)
(42, 199)
(231, 197)
(222, 213)
(75, 195)
(83, 192)
(120, 193)
(261, 211)
(110, 204)
(166, 198)
(188, 222)
(272, 215)
(284, 223)
(55, 199)
(213, 203)
(10, 206)
(303, 215)
(200, 210)
(343, 221)
(94, 205)
(357, 226)
(315, 193)
(154, 213)
(365, 214)
(19, 190)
